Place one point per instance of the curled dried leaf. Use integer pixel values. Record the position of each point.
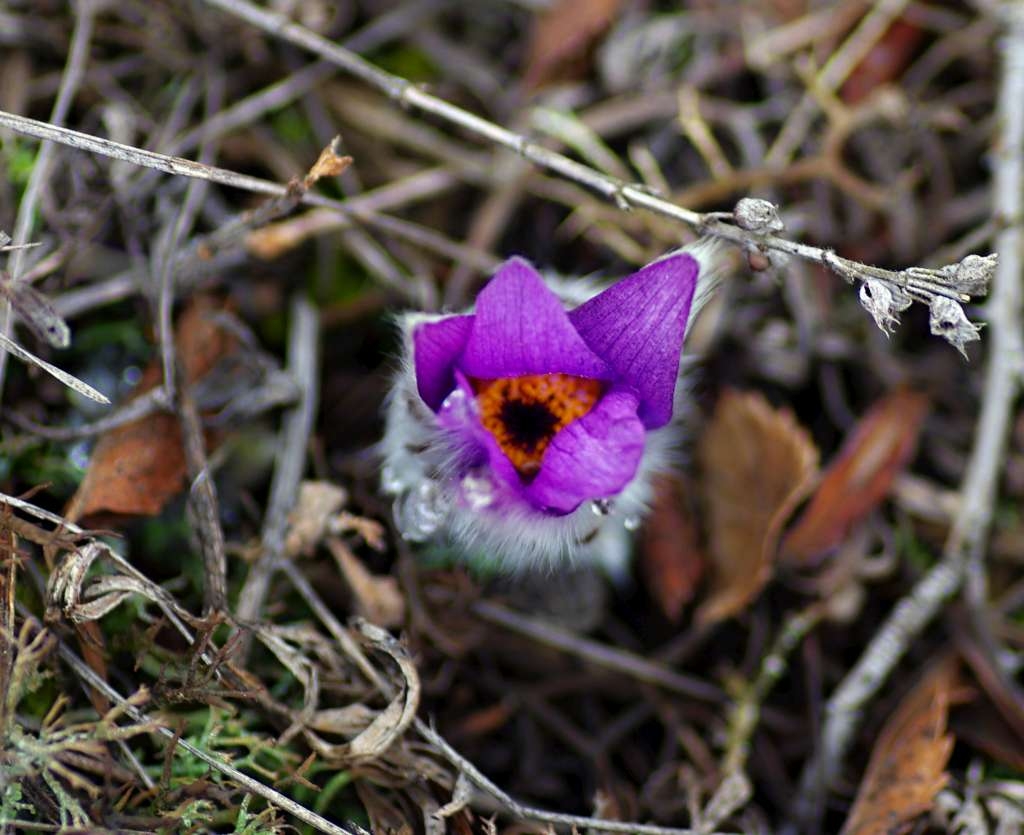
(35, 311)
(64, 586)
(907, 768)
(758, 465)
(860, 476)
(672, 562)
(396, 717)
(329, 164)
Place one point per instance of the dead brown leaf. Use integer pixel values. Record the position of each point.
(384, 812)
(328, 164)
(485, 721)
(376, 598)
(885, 61)
(908, 764)
(309, 521)
(562, 36)
(137, 468)
(758, 464)
(273, 240)
(860, 477)
(671, 561)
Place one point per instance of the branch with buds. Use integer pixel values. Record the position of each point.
(753, 224)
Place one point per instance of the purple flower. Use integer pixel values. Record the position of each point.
(511, 421)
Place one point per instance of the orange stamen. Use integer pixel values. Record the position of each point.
(524, 413)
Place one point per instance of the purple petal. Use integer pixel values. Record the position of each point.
(520, 328)
(637, 326)
(437, 347)
(460, 415)
(591, 458)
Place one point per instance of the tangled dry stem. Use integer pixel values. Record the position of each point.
(964, 552)
(752, 226)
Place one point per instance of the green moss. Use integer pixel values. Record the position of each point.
(123, 333)
(292, 127)
(336, 800)
(406, 61)
(39, 691)
(916, 553)
(19, 159)
(348, 281)
(43, 464)
(12, 803)
(264, 822)
(273, 328)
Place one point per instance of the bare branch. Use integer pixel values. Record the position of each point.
(923, 285)
(965, 547)
(296, 428)
(297, 810)
(78, 56)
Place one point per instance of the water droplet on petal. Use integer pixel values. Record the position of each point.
(131, 375)
(455, 400)
(601, 507)
(390, 481)
(78, 455)
(631, 523)
(478, 491)
(420, 513)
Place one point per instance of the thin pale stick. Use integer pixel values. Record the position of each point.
(625, 195)
(74, 69)
(359, 209)
(598, 654)
(965, 547)
(69, 380)
(272, 796)
(464, 766)
(296, 428)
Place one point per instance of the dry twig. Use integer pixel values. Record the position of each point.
(752, 225)
(303, 362)
(297, 810)
(70, 81)
(965, 548)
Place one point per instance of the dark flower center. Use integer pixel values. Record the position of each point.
(527, 424)
(525, 413)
